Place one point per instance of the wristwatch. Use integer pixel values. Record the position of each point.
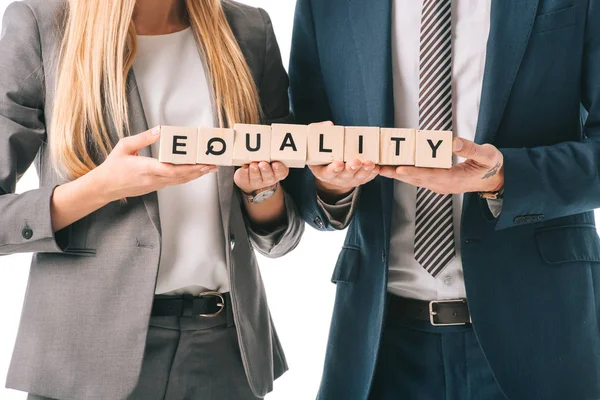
(261, 195)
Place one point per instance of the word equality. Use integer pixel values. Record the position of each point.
(300, 145)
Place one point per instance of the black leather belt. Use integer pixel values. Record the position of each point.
(208, 304)
(437, 312)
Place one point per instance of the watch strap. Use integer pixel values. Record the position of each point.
(251, 196)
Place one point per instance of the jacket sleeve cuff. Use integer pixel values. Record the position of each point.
(281, 240)
(27, 223)
(495, 207)
(340, 213)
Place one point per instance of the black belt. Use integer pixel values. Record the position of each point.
(437, 312)
(209, 304)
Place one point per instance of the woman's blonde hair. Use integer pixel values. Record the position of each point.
(97, 52)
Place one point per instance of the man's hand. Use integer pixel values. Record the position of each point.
(338, 179)
(482, 171)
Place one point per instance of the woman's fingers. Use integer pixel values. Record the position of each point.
(255, 175)
(267, 173)
(133, 144)
(280, 170)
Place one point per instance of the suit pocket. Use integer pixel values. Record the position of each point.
(554, 20)
(569, 244)
(346, 268)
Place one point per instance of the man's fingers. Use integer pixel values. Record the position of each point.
(327, 172)
(387, 171)
(352, 167)
(485, 154)
(324, 123)
(366, 172)
(134, 143)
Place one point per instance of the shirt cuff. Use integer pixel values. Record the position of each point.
(339, 213)
(495, 206)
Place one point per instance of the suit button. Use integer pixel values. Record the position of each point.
(27, 233)
(319, 222)
(232, 241)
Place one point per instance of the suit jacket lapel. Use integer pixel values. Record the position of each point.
(225, 184)
(138, 124)
(511, 23)
(371, 28)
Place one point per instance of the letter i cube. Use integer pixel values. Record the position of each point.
(362, 143)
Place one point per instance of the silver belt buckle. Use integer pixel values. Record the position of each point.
(220, 304)
(433, 313)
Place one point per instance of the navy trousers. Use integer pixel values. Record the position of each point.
(418, 361)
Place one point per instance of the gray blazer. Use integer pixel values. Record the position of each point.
(91, 286)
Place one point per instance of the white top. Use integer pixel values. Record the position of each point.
(470, 31)
(174, 89)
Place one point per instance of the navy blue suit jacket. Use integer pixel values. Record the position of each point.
(532, 275)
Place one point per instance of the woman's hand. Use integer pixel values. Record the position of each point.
(256, 176)
(271, 213)
(125, 174)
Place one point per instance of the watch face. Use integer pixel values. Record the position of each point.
(263, 196)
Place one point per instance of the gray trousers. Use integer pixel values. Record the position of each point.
(191, 358)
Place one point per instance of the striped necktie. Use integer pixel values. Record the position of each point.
(434, 230)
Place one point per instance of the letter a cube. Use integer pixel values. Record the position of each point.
(288, 144)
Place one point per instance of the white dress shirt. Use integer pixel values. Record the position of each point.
(174, 89)
(470, 31)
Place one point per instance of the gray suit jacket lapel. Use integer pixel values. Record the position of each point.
(138, 124)
(225, 183)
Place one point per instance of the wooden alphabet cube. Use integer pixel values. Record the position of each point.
(361, 143)
(251, 143)
(434, 149)
(397, 146)
(178, 145)
(215, 146)
(288, 144)
(325, 144)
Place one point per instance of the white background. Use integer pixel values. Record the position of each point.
(298, 285)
